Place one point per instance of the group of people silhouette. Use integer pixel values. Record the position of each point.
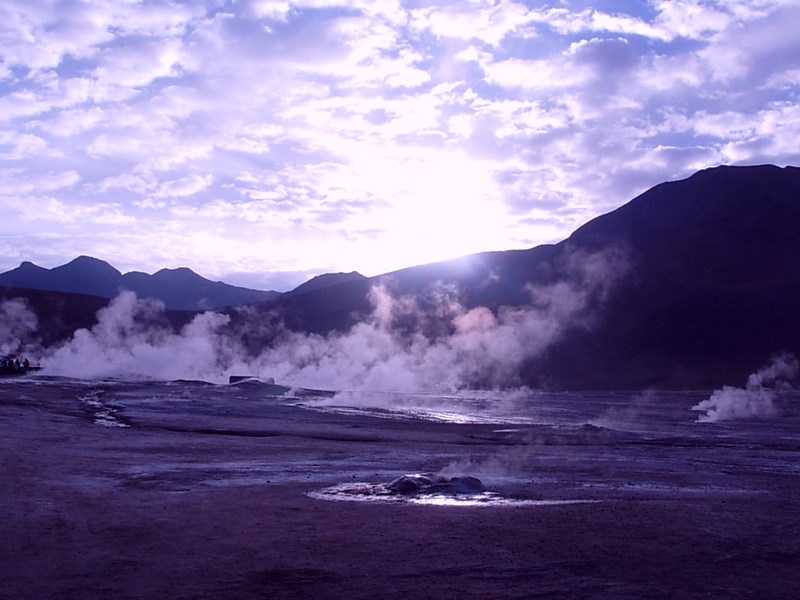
(12, 364)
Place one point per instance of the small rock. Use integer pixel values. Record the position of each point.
(466, 485)
(409, 484)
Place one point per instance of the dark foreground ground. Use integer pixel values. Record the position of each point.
(204, 496)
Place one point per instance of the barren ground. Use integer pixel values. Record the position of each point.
(204, 496)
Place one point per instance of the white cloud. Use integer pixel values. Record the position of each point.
(23, 145)
(156, 19)
(269, 9)
(14, 182)
(483, 20)
(138, 65)
(35, 206)
(21, 104)
(565, 21)
(691, 18)
(536, 74)
(37, 37)
(72, 122)
(753, 53)
(185, 186)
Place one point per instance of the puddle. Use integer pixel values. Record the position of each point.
(102, 414)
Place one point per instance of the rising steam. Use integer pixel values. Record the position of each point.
(480, 347)
(18, 326)
(133, 339)
(756, 399)
(483, 348)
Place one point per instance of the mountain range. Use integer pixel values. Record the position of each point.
(179, 289)
(693, 284)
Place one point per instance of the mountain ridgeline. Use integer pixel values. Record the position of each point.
(178, 289)
(693, 284)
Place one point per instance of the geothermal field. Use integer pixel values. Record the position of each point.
(188, 490)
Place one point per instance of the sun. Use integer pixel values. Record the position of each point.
(432, 206)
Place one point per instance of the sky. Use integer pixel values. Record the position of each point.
(262, 142)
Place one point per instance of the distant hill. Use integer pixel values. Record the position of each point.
(179, 289)
(712, 292)
(84, 275)
(326, 280)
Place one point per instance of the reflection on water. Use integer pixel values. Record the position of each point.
(469, 406)
(490, 499)
(610, 410)
(102, 414)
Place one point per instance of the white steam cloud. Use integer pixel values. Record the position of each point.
(483, 347)
(132, 338)
(513, 461)
(756, 399)
(630, 417)
(18, 325)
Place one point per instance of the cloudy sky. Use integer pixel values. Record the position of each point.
(264, 141)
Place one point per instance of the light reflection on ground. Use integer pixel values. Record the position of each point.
(366, 492)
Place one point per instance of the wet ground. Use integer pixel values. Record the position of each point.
(190, 490)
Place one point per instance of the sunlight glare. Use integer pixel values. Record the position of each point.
(440, 204)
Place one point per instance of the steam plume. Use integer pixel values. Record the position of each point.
(756, 399)
(132, 338)
(18, 325)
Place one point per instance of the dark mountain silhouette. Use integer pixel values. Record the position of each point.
(714, 288)
(179, 289)
(183, 289)
(710, 295)
(326, 280)
(84, 275)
